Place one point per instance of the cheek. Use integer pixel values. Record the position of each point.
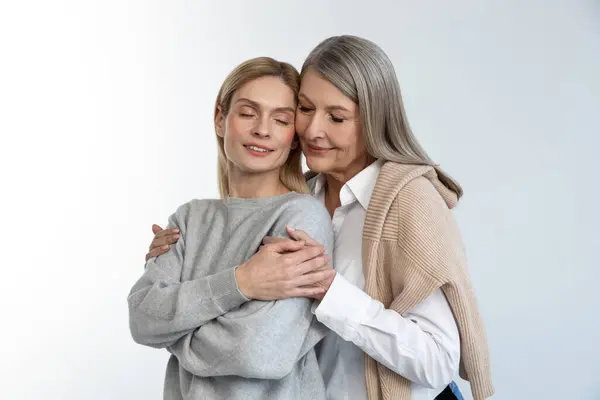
(358, 153)
(350, 143)
(352, 139)
(352, 146)
(302, 122)
(235, 128)
(289, 134)
(282, 136)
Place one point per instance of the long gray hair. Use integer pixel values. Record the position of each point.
(364, 73)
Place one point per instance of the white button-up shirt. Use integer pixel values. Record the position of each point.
(422, 346)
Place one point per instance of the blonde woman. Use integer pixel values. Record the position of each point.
(224, 345)
(402, 311)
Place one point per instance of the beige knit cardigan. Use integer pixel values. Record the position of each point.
(412, 247)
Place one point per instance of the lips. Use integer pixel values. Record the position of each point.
(257, 150)
(316, 149)
(257, 147)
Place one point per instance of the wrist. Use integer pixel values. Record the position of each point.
(325, 285)
(242, 281)
(319, 296)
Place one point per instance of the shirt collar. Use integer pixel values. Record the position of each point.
(360, 187)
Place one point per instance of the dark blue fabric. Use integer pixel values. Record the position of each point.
(451, 392)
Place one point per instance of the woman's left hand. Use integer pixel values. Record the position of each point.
(298, 234)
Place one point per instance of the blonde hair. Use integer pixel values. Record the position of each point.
(291, 172)
(364, 73)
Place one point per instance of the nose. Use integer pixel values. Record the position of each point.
(315, 128)
(261, 129)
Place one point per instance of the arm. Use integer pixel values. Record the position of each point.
(162, 309)
(261, 340)
(422, 345)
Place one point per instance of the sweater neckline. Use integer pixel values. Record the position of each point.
(255, 202)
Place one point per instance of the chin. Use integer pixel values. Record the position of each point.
(258, 166)
(319, 165)
(257, 169)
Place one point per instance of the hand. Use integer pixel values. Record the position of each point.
(303, 236)
(163, 238)
(282, 270)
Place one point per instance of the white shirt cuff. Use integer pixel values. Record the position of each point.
(343, 307)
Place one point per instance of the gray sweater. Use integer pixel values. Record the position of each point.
(222, 345)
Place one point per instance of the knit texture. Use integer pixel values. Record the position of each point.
(412, 247)
(222, 345)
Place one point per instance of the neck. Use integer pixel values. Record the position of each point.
(335, 180)
(247, 185)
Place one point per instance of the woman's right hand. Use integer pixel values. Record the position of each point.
(163, 238)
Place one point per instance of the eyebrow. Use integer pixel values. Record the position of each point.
(256, 105)
(328, 108)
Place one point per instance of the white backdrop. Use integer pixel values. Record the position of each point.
(106, 124)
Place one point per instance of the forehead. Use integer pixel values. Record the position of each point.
(322, 92)
(268, 91)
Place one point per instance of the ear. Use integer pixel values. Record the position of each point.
(219, 121)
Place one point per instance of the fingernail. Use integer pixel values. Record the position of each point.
(290, 228)
(176, 230)
(176, 236)
(165, 247)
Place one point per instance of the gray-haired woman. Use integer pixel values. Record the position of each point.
(401, 293)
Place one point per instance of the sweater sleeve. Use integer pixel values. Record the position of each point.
(261, 339)
(162, 309)
(431, 255)
(428, 235)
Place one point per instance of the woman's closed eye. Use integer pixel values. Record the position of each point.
(304, 109)
(337, 120)
(334, 118)
(247, 112)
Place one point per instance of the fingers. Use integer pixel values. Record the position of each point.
(312, 265)
(165, 240)
(157, 251)
(166, 232)
(285, 245)
(302, 255)
(301, 235)
(306, 292)
(314, 277)
(271, 239)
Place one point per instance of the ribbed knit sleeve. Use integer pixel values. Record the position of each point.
(414, 247)
(431, 250)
